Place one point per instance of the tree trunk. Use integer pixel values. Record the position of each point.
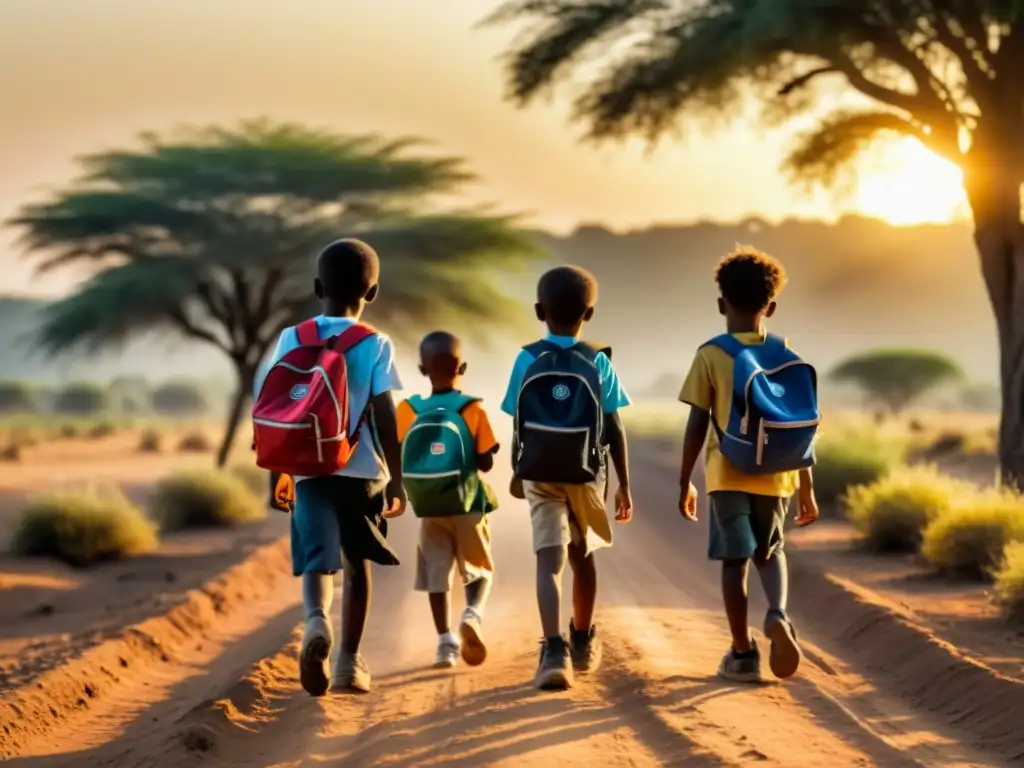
(999, 236)
(243, 393)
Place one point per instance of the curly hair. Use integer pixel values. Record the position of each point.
(749, 279)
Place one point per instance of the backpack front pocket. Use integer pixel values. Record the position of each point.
(437, 495)
(549, 454)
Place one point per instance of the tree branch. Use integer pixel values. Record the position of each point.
(799, 82)
(186, 326)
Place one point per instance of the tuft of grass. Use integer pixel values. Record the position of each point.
(68, 431)
(851, 459)
(205, 498)
(256, 480)
(11, 453)
(969, 539)
(101, 430)
(1009, 586)
(150, 441)
(195, 442)
(83, 527)
(893, 512)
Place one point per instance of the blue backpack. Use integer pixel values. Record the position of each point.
(439, 459)
(559, 421)
(774, 416)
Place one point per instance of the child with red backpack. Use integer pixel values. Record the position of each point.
(323, 413)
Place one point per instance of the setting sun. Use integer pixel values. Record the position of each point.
(904, 183)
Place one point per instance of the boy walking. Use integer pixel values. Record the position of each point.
(760, 400)
(564, 396)
(344, 458)
(447, 443)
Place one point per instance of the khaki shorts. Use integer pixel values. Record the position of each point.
(463, 540)
(563, 514)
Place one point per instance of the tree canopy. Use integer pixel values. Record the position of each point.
(896, 378)
(211, 232)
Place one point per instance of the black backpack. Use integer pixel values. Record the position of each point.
(559, 422)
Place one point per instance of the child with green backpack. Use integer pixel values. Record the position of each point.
(447, 441)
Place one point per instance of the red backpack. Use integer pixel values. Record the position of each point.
(301, 415)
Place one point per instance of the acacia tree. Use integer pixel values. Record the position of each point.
(895, 378)
(211, 233)
(949, 73)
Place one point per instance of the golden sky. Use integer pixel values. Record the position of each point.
(81, 75)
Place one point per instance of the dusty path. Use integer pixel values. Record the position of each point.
(655, 700)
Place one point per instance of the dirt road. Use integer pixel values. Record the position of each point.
(235, 701)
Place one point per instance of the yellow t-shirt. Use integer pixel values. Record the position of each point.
(473, 414)
(708, 386)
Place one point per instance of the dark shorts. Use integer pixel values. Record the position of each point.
(744, 525)
(337, 515)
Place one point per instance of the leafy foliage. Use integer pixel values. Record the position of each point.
(180, 398)
(17, 397)
(851, 459)
(82, 399)
(1009, 586)
(210, 233)
(896, 377)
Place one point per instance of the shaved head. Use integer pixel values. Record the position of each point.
(441, 355)
(347, 270)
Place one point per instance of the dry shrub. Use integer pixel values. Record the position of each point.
(970, 537)
(1009, 585)
(893, 512)
(11, 453)
(68, 431)
(150, 441)
(101, 430)
(854, 458)
(195, 442)
(82, 527)
(205, 498)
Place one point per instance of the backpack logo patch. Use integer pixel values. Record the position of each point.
(560, 392)
(299, 391)
(437, 449)
(776, 389)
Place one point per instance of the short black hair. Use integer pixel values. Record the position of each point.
(566, 293)
(347, 269)
(440, 343)
(749, 279)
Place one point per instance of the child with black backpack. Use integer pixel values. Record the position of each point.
(760, 399)
(564, 397)
(447, 441)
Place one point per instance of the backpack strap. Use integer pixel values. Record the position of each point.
(538, 348)
(308, 333)
(415, 403)
(727, 343)
(350, 337)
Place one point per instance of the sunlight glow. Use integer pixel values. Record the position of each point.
(905, 183)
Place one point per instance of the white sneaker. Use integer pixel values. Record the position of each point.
(447, 654)
(316, 648)
(474, 652)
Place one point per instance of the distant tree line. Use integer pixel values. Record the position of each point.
(128, 396)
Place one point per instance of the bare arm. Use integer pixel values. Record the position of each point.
(485, 461)
(618, 448)
(386, 422)
(693, 443)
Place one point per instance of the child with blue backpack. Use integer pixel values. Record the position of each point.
(447, 441)
(565, 397)
(760, 400)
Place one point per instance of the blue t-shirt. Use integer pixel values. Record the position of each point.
(613, 396)
(371, 372)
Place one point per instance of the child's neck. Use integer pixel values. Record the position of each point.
(571, 331)
(443, 388)
(744, 324)
(330, 309)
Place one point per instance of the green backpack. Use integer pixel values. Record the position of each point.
(439, 459)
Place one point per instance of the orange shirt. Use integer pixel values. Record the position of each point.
(473, 414)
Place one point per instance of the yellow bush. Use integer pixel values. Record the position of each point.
(195, 442)
(82, 527)
(892, 512)
(150, 441)
(255, 478)
(972, 535)
(849, 459)
(1010, 580)
(207, 498)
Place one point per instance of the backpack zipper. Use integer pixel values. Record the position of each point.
(445, 425)
(745, 421)
(762, 436)
(596, 399)
(563, 431)
(295, 369)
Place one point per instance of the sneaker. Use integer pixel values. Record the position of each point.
(554, 671)
(447, 653)
(784, 657)
(474, 652)
(352, 674)
(316, 648)
(584, 649)
(745, 668)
